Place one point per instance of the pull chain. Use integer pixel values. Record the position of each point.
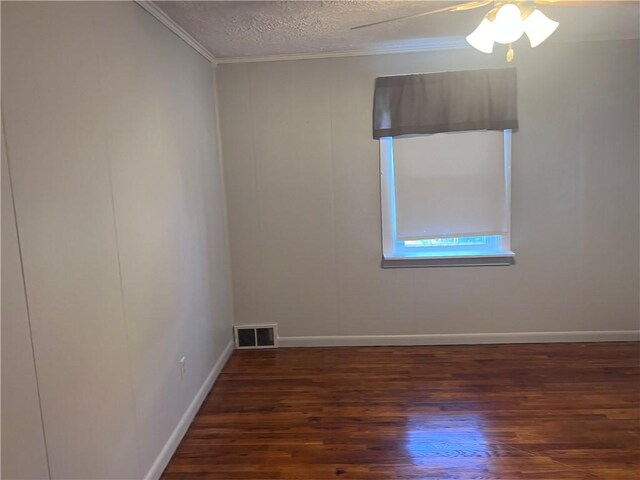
(510, 54)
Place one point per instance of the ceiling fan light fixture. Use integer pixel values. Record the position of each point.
(508, 25)
(539, 27)
(482, 37)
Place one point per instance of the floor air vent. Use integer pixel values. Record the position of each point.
(256, 336)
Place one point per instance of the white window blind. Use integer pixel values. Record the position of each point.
(450, 185)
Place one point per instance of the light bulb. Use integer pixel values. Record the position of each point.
(539, 27)
(482, 37)
(508, 25)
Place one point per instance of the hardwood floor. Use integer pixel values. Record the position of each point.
(508, 412)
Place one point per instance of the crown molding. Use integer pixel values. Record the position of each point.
(608, 37)
(424, 46)
(453, 43)
(168, 22)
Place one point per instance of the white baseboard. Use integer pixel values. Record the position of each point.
(176, 436)
(461, 338)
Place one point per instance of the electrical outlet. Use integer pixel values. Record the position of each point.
(183, 367)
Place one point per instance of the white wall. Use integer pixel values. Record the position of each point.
(111, 140)
(304, 211)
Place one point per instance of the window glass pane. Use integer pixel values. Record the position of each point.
(452, 242)
(448, 184)
(428, 169)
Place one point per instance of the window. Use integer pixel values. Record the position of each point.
(446, 199)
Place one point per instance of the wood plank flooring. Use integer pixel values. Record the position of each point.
(500, 412)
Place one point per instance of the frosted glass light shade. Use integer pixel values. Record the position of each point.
(539, 27)
(482, 37)
(508, 25)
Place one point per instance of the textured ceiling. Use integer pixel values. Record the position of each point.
(239, 28)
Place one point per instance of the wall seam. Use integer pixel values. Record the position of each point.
(258, 211)
(105, 128)
(336, 245)
(219, 149)
(26, 296)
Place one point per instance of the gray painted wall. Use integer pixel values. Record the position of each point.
(23, 449)
(301, 172)
(111, 139)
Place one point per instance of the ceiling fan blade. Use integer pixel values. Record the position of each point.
(454, 8)
(584, 3)
(471, 5)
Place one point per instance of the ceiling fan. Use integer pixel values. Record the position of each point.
(507, 21)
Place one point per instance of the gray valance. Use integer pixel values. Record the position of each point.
(445, 102)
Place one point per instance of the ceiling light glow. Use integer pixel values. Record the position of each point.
(482, 37)
(539, 27)
(508, 25)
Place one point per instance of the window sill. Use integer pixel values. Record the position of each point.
(475, 260)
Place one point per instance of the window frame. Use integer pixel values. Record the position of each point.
(398, 257)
